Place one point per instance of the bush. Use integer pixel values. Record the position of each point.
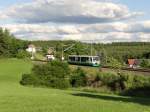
(29, 79)
(145, 63)
(57, 74)
(114, 63)
(106, 78)
(78, 78)
(122, 81)
(53, 74)
(22, 54)
(59, 83)
(126, 80)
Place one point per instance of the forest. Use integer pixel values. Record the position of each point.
(118, 52)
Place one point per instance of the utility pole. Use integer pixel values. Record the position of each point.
(91, 49)
(32, 54)
(62, 57)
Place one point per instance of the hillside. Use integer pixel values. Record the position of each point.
(16, 98)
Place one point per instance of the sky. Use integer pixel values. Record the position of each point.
(86, 20)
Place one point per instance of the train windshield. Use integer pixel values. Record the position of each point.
(95, 58)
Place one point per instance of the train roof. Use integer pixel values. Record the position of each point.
(82, 56)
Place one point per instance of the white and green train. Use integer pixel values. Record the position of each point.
(84, 60)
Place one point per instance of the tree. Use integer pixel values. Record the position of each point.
(9, 45)
(114, 63)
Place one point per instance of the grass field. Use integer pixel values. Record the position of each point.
(17, 98)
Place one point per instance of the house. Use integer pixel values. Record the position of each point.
(50, 57)
(31, 48)
(133, 63)
(50, 54)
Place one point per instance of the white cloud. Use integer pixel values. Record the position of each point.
(130, 27)
(97, 20)
(139, 31)
(68, 11)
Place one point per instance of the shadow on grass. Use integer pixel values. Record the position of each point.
(143, 101)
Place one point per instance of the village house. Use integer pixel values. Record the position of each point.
(31, 48)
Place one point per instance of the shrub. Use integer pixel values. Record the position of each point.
(53, 74)
(145, 63)
(114, 63)
(141, 81)
(106, 78)
(78, 78)
(126, 80)
(122, 81)
(22, 54)
(29, 79)
(59, 83)
(57, 74)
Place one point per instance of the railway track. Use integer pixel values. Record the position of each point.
(138, 70)
(131, 69)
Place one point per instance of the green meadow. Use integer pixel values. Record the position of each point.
(17, 98)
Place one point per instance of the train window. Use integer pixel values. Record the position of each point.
(95, 58)
(90, 59)
(84, 59)
(77, 58)
(72, 58)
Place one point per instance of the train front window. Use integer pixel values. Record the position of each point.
(90, 59)
(95, 58)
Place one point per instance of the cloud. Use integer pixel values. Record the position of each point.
(138, 31)
(110, 37)
(130, 27)
(97, 20)
(68, 11)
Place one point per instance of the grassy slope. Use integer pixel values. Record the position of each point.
(16, 98)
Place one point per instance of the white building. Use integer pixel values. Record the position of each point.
(31, 49)
(50, 57)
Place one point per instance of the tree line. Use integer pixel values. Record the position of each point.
(11, 46)
(118, 52)
(110, 52)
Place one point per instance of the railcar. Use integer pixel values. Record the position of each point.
(84, 60)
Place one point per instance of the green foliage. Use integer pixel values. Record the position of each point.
(114, 63)
(119, 52)
(54, 74)
(28, 79)
(123, 51)
(59, 83)
(79, 78)
(9, 45)
(123, 82)
(22, 54)
(145, 63)
(146, 55)
(106, 78)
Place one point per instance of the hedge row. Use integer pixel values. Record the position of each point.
(58, 75)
